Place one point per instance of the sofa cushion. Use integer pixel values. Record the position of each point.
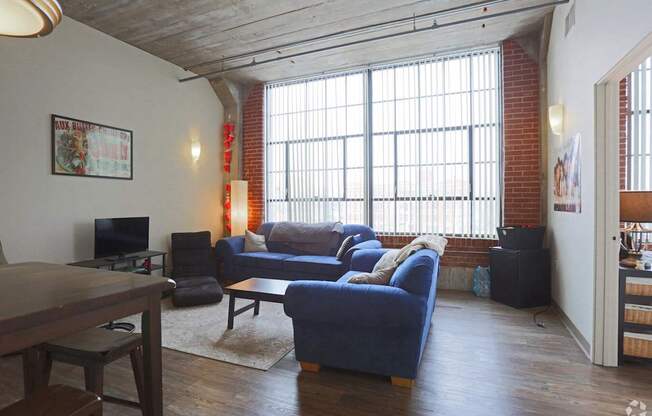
(262, 259)
(313, 264)
(346, 276)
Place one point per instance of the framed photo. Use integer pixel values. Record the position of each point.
(567, 180)
(84, 148)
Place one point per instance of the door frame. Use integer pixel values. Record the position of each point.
(604, 349)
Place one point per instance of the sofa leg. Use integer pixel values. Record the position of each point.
(311, 367)
(403, 382)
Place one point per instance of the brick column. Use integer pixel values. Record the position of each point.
(522, 169)
(253, 144)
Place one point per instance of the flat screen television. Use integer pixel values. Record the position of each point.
(121, 236)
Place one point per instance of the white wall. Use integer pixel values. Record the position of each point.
(604, 32)
(82, 73)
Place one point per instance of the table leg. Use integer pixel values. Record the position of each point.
(152, 358)
(256, 307)
(231, 311)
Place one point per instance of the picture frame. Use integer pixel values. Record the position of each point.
(567, 176)
(89, 149)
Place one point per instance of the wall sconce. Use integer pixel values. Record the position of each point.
(195, 150)
(238, 207)
(556, 118)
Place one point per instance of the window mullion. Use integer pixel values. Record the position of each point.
(368, 148)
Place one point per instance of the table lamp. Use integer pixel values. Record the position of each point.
(636, 208)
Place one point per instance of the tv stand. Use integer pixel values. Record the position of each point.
(126, 263)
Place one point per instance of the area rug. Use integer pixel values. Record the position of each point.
(255, 341)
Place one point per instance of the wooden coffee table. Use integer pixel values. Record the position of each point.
(256, 289)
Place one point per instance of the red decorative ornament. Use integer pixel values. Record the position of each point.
(229, 137)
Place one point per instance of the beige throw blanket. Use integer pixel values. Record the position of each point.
(384, 268)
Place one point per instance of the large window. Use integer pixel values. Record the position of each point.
(315, 150)
(409, 149)
(639, 128)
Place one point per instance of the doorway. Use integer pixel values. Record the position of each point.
(608, 185)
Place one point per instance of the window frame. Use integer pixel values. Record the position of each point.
(368, 133)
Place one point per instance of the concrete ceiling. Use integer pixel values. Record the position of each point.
(192, 32)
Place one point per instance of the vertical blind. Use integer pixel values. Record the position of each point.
(408, 148)
(314, 150)
(639, 128)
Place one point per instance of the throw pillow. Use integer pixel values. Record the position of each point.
(346, 245)
(254, 242)
(382, 271)
(357, 239)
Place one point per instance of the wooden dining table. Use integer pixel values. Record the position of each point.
(40, 302)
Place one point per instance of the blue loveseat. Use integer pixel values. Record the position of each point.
(370, 328)
(281, 262)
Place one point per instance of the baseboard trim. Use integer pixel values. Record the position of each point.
(573, 331)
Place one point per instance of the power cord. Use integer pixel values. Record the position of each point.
(536, 314)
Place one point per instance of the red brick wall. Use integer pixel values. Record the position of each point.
(522, 174)
(522, 177)
(253, 150)
(460, 252)
(624, 110)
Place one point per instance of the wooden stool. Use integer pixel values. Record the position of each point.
(57, 401)
(93, 349)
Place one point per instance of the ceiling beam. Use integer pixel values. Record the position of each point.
(435, 26)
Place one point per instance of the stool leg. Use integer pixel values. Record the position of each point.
(36, 369)
(47, 368)
(94, 378)
(137, 366)
(30, 371)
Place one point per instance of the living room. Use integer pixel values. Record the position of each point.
(251, 207)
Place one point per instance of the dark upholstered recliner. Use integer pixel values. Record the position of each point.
(193, 269)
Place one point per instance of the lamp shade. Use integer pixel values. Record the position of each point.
(28, 18)
(239, 208)
(636, 206)
(556, 118)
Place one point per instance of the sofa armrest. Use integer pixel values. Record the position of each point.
(354, 305)
(225, 250)
(229, 246)
(364, 260)
(368, 244)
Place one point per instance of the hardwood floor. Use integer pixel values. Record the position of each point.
(482, 358)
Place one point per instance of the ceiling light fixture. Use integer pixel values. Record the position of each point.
(29, 18)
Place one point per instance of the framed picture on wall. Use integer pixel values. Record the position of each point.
(567, 179)
(84, 148)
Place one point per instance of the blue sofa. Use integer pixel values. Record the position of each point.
(369, 328)
(281, 262)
